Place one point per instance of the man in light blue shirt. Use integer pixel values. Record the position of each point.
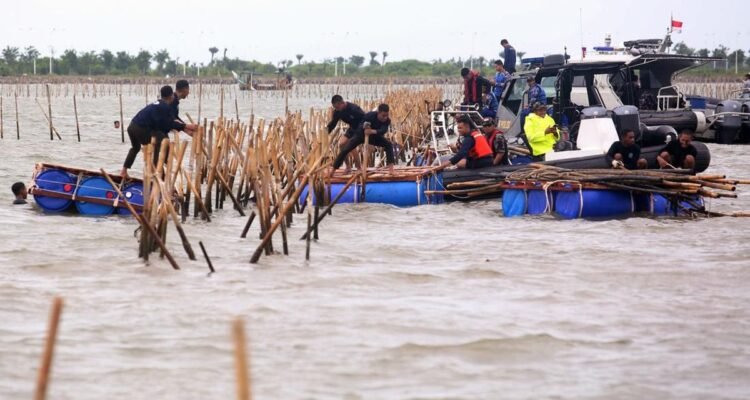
(501, 79)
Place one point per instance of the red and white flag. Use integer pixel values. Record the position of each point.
(676, 26)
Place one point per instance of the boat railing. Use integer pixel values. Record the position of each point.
(663, 100)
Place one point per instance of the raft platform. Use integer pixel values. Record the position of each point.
(58, 189)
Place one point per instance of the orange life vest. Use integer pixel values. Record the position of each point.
(481, 147)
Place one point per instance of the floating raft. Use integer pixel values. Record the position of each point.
(58, 189)
(406, 187)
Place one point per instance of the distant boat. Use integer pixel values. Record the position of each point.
(247, 81)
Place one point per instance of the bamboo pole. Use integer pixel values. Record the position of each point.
(52, 128)
(49, 350)
(240, 361)
(2, 132)
(18, 126)
(49, 106)
(144, 223)
(75, 111)
(330, 206)
(208, 259)
(122, 125)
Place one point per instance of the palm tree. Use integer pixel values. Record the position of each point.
(299, 58)
(161, 57)
(10, 54)
(213, 51)
(225, 54)
(385, 54)
(373, 54)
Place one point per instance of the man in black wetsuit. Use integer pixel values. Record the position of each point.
(375, 124)
(350, 113)
(679, 153)
(154, 120)
(626, 153)
(181, 92)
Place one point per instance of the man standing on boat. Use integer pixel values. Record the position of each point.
(535, 95)
(502, 77)
(154, 120)
(509, 56)
(476, 87)
(541, 132)
(375, 124)
(475, 151)
(182, 91)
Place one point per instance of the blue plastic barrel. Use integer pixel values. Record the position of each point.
(514, 202)
(350, 196)
(133, 193)
(401, 194)
(595, 204)
(659, 205)
(95, 187)
(54, 180)
(537, 202)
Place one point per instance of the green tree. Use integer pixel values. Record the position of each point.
(213, 50)
(161, 57)
(720, 52)
(143, 61)
(357, 61)
(373, 54)
(68, 62)
(385, 55)
(704, 52)
(122, 61)
(10, 54)
(683, 49)
(108, 60)
(299, 58)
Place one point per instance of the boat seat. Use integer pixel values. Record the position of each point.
(597, 134)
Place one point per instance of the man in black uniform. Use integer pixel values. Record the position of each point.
(375, 124)
(350, 113)
(154, 120)
(626, 153)
(181, 92)
(679, 153)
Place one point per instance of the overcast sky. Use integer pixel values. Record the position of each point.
(272, 30)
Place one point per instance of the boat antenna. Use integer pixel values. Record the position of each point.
(580, 19)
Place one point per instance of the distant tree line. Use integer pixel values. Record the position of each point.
(28, 61)
(738, 57)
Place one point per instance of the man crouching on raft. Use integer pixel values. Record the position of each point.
(475, 152)
(375, 124)
(154, 120)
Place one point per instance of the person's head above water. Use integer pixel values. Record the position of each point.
(182, 89)
(338, 102)
(19, 190)
(628, 137)
(167, 94)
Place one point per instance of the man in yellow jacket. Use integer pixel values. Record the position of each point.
(541, 131)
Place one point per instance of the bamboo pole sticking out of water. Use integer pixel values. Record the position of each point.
(242, 373)
(2, 132)
(49, 106)
(18, 126)
(75, 111)
(122, 125)
(45, 368)
(52, 128)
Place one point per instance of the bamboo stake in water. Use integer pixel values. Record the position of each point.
(18, 126)
(240, 361)
(49, 350)
(1, 117)
(49, 106)
(75, 111)
(122, 126)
